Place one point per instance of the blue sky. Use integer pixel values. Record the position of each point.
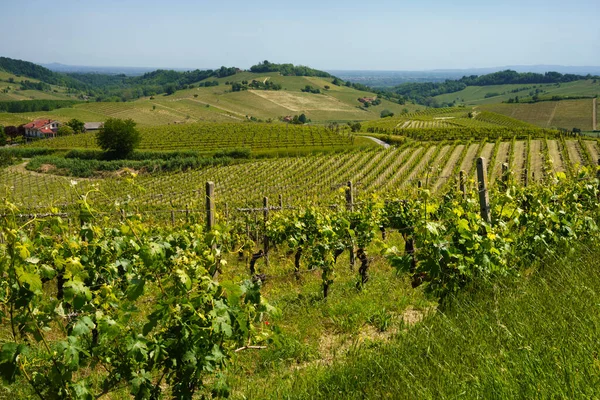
(376, 35)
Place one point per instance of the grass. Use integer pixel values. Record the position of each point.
(561, 114)
(219, 104)
(475, 95)
(534, 337)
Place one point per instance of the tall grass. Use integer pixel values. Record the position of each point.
(533, 338)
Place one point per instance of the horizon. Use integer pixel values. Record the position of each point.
(343, 36)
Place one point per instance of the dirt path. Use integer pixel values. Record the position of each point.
(445, 174)
(404, 125)
(574, 153)
(555, 156)
(469, 159)
(519, 160)
(594, 114)
(488, 149)
(501, 158)
(379, 142)
(537, 160)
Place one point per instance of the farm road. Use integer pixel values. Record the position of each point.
(379, 142)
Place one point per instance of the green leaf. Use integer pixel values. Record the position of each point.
(77, 293)
(83, 326)
(30, 280)
(8, 360)
(184, 278)
(135, 289)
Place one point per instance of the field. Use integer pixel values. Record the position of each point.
(210, 137)
(219, 104)
(11, 91)
(314, 178)
(476, 95)
(567, 114)
(323, 265)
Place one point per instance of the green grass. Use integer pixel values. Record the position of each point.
(475, 95)
(534, 337)
(566, 114)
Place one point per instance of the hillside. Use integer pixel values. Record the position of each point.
(14, 88)
(475, 95)
(566, 114)
(221, 104)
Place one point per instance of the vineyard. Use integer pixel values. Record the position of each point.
(314, 177)
(107, 305)
(455, 123)
(207, 137)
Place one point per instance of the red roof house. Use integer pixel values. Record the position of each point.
(41, 128)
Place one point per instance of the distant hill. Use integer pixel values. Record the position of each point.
(87, 69)
(383, 79)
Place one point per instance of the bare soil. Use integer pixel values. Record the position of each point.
(501, 158)
(574, 152)
(537, 160)
(519, 160)
(555, 156)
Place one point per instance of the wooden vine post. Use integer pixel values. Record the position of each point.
(484, 200)
(525, 177)
(265, 237)
(505, 175)
(349, 197)
(280, 202)
(350, 207)
(210, 206)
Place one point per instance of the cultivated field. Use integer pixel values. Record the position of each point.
(315, 178)
(567, 114)
(476, 95)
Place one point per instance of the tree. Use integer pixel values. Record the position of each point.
(355, 127)
(386, 113)
(170, 89)
(302, 119)
(76, 125)
(118, 137)
(65, 130)
(3, 138)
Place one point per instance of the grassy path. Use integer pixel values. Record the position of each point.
(593, 149)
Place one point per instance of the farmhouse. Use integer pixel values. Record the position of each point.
(41, 128)
(92, 126)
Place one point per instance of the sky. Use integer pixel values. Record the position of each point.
(334, 35)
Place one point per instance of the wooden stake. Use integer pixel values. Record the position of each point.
(484, 201)
(266, 238)
(349, 197)
(461, 183)
(210, 206)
